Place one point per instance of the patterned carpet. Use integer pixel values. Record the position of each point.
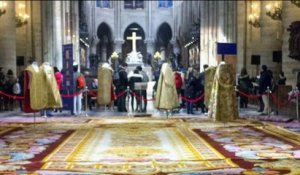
(122, 145)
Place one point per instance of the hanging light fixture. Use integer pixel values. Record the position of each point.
(253, 18)
(2, 8)
(274, 10)
(296, 2)
(21, 17)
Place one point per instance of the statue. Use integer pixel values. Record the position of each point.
(294, 41)
(134, 57)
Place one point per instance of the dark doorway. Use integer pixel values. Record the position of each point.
(105, 44)
(163, 37)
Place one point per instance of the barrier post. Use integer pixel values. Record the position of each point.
(238, 98)
(297, 102)
(127, 99)
(86, 103)
(268, 91)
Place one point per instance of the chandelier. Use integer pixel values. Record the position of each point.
(296, 2)
(22, 17)
(274, 11)
(253, 18)
(2, 8)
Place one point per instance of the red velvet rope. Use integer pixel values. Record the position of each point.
(12, 96)
(120, 94)
(249, 95)
(192, 100)
(141, 97)
(281, 105)
(71, 95)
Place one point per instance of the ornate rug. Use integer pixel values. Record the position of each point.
(147, 146)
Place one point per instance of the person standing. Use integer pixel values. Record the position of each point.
(135, 78)
(59, 80)
(264, 83)
(282, 79)
(190, 92)
(8, 88)
(78, 86)
(244, 85)
(123, 83)
(144, 91)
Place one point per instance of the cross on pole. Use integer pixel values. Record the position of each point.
(134, 38)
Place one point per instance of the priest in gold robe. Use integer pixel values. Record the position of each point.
(209, 75)
(105, 90)
(53, 95)
(166, 94)
(37, 92)
(222, 106)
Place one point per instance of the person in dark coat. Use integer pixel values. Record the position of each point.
(244, 85)
(282, 79)
(135, 78)
(264, 83)
(122, 86)
(190, 90)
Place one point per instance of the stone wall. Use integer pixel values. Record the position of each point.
(271, 36)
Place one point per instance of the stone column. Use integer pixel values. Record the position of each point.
(75, 29)
(8, 38)
(118, 49)
(162, 53)
(58, 33)
(93, 47)
(104, 51)
(270, 30)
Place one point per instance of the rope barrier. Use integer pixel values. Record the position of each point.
(249, 95)
(71, 95)
(281, 105)
(120, 94)
(141, 97)
(12, 96)
(192, 100)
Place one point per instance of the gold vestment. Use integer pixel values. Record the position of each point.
(222, 106)
(52, 92)
(37, 88)
(166, 94)
(208, 82)
(104, 85)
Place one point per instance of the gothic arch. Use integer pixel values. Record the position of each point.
(140, 45)
(135, 23)
(164, 35)
(165, 32)
(105, 44)
(104, 29)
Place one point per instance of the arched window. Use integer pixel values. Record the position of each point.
(103, 3)
(165, 3)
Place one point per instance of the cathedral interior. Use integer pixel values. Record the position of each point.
(185, 35)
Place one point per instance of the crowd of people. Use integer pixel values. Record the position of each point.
(189, 83)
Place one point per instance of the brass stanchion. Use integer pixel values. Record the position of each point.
(86, 103)
(297, 102)
(127, 99)
(268, 91)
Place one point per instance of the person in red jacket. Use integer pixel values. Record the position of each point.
(59, 80)
(178, 81)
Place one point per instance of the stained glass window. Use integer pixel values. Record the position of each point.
(103, 3)
(165, 3)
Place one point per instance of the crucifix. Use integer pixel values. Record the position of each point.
(134, 38)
